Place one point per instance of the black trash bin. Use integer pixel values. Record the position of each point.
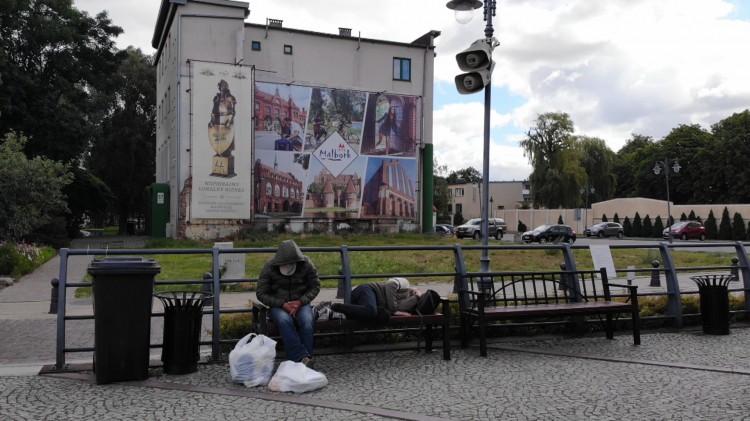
(714, 296)
(123, 293)
(183, 312)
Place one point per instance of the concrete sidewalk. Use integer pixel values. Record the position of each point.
(672, 375)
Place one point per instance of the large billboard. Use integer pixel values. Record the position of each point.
(335, 153)
(221, 141)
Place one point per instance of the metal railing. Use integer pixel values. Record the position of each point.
(346, 275)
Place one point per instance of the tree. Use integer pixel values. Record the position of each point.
(440, 193)
(558, 173)
(560, 219)
(738, 228)
(725, 226)
(683, 217)
(521, 227)
(726, 179)
(630, 157)
(604, 218)
(712, 231)
(691, 216)
(130, 136)
(637, 226)
(658, 228)
(627, 227)
(647, 230)
(597, 161)
(464, 176)
(616, 218)
(55, 63)
(31, 190)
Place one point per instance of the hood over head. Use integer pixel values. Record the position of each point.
(287, 253)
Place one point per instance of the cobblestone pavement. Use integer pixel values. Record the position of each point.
(672, 375)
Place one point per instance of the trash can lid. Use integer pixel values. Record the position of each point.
(123, 265)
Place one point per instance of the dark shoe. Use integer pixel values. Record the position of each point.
(309, 362)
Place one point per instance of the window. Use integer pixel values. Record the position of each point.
(401, 68)
(287, 49)
(459, 192)
(255, 45)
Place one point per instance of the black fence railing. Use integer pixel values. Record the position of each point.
(351, 270)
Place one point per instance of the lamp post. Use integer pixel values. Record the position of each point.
(586, 206)
(657, 170)
(477, 59)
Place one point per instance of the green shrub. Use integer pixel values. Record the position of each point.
(18, 259)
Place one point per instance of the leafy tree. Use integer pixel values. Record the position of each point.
(691, 216)
(464, 176)
(616, 218)
(130, 135)
(738, 228)
(628, 158)
(597, 161)
(725, 226)
(627, 227)
(557, 174)
(683, 217)
(31, 190)
(647, 230)
(637, 226)
(560, 219)
(55, 63)
(712, 231)
(726, 179)
(458, 219)
(440, 194)
(658, 228)
(604, 217)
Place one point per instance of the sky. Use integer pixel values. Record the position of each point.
(617, 67)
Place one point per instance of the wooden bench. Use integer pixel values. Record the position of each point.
(431, 326)
(518, 295)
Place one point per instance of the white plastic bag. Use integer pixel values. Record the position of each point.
(297, 378)
(251, 363)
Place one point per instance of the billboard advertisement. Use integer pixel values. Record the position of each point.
(334, 153)
(221, 141)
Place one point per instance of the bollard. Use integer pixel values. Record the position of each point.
(735, 270)
(563, 278)
(208, 288)
(53, 297)
(655, 280)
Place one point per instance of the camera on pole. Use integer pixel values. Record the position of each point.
(477, 62)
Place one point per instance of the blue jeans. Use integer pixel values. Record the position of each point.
(364, 304)
(296, 332)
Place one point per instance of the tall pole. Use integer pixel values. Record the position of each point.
(657, 170)
(484, 261)
(669, 204)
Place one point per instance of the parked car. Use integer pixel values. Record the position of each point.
(685, 230)
(550, 233)
(605, 229)
(473, 228)
(445, 229)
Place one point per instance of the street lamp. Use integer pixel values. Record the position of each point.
(477, 62)
(657, 170)
(586, 206)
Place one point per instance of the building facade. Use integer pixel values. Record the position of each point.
(466, 199)
(262, 124)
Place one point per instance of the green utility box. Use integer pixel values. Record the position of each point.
(157, 214)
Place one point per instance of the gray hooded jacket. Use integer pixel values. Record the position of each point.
(274, 289)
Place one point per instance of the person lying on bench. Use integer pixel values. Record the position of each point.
(287, 285)
(374, 302)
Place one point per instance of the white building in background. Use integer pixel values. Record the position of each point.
(265, 125)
